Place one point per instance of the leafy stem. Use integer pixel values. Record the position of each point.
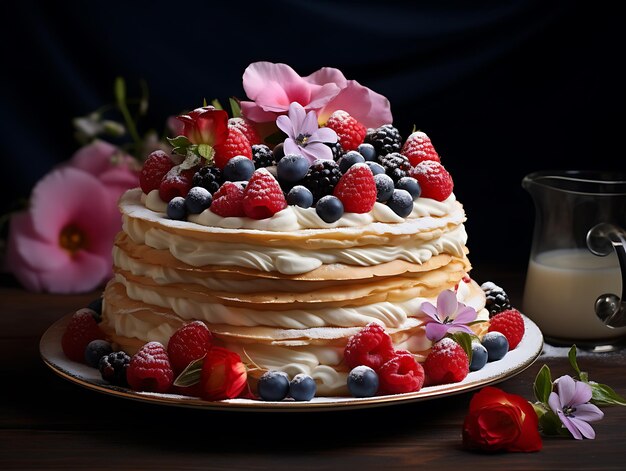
(120, 98)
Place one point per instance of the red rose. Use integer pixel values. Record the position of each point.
(500, 421)
(205, 126)
(223, 375)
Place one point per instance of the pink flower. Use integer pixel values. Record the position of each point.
(273, 87)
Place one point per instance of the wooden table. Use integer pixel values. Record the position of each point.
(47, 422)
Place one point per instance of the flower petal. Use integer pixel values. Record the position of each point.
(94, 158)
(258, 76)
(566, 388)
(84, 272)
(285, 125)
(554, 402)
(298, 115)
(436, 331)
(316, 151)
(582, 393)
(446, 303)
(250, 110)
(323, 135)
(571, 426)
(31, 251)
(465, 314)
(320, 96)
(290, 147)
(583, 427)
(327, 75)
(366, 106)
(459, 328)
(309, 125)
(430, 310)
(588, 412)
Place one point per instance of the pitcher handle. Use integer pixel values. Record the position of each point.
(601, 239)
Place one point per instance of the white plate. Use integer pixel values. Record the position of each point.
(515, 361)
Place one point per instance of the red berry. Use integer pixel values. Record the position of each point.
(236, 144)
(356, 189)
(418, 148)
(228, 200)
(263, 196)
(350, 132)
(81, 330)
(190, 342)
(176, 183)
(401, 374)
(447, 362)
(247, 128)
(434, 180)
(156, 165)
(150, 369)
(511, 324)
(371, 346)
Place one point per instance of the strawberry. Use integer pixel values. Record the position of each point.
(150, 369)
(263, 196)
(81, 330)
(434, 179)
(176, 183)
(371, 346)
(510, 323)
(247, 128)
(350, 132)
(155, 167)
(447, 362)
(401, 374)
(190, 342)
(418, 148)
(356, 189)
(228, 200)
(236, 144)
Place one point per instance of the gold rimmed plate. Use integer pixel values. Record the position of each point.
(515, 361)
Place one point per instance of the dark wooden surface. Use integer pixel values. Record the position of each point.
(49, 423)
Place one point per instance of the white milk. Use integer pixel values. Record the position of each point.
(561, 289)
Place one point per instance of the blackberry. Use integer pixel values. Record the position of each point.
(321, 178)
(385, 139)
(497, 299)
(337, 150)
(262, 156)
(208, 177)
(396, 165)
(113, 367)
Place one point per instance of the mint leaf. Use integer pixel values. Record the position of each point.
(465, 341)
(572, 359)
(206, 151)
(179, 141)
(543, 384)
(191, 374)
(603, 395)
(235, 109)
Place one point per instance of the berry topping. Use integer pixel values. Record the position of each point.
(81, 330)
(371, 346)
(236, 144)
(273, 385)
(150, 369)
(95, 350)
(300, 196)
(511, 324)
(302, 387)
(176, 208)
(189, 342)
(385, 139)
(411, 185)
(396, 165)
(434, 179)
(401, 374)
(329, 208)
(496, 344)
(401, 203)
(208, 177)
(357, 189)
(278, 151)
(198, 199)
(349, 159)
(176, 183)
(479, 356)
(368, 152)
(418, 147)
(113, 367)
(263, 196)
(447, 362)
(362, 381)
(376, 168)
(228, 200)
(247, 128)
(349, 131)
(337, 150)
(96, 307)
(155, 167)
(239, 168)
(223, 376)
(262, 156)
(496, 298)
(384, 187)
(321, 178)
(292, 168)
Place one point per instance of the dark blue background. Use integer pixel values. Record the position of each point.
(503, 88)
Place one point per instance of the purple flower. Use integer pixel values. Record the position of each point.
(303, 134)
(449, 316)
(571, 405)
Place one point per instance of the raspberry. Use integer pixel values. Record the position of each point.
(81, 330)
(190, 342)
(150, 369)
(434, 180)
(418, 147)
(247, 128)
(263, 196)
(447, 362)
(176, 183)
(228, 200)
(371, 346)
(349, 131)
(401, 374)
(510, 323)
(236, 144)
(155, 167)
(356, 189)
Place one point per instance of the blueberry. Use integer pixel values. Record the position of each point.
(367, 151)
(292, 167)
(239, 168)
(329, 208)
(95, 350)
(302, 387)
(198, 199)
(96, 306)
(411, 185)
(479, 356)
(348, 159)
(300, 196)
(384, 187)
(273, 385)
(401, 203)
(176, 208)
(496, 344)
(375, 167)
(363, 381)
(279, 152)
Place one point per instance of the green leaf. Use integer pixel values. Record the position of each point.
(216, 103)
(204, 103)
(179, 141)
(191, 374)
(543, 384)
(603, 395)
(119, 89)
(235, 109)
(206, 151)
(572, 359)
(465, 341)
(550, 424)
